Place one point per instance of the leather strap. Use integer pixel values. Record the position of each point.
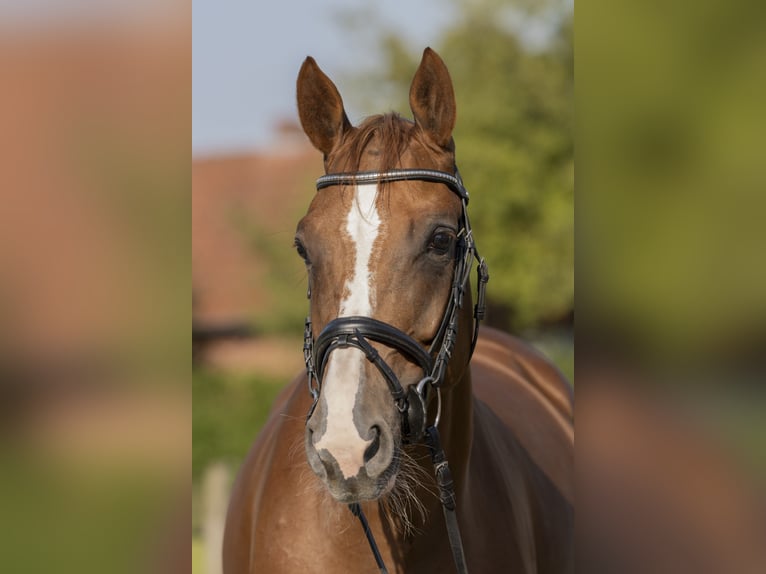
(447, 497)
(373, 329)
(452, 181)
(356, 510)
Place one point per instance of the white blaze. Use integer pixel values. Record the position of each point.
(346, 366)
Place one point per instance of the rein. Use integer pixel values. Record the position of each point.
(355, 331)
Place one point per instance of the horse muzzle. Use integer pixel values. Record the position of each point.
(356, 471)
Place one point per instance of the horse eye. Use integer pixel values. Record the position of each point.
(301, 250)
(441, 241)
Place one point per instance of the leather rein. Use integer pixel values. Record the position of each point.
(357, 331)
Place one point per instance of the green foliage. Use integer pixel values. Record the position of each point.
(284, 277)
(228, 413)
(514, 148)
(93, 517)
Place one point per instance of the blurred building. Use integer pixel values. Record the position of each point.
(237, 200)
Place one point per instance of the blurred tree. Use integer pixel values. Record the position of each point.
(514, 92)
(229, 411)
(675, 202)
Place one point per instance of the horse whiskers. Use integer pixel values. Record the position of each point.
(402, 503)
(415, 474)
(399, 506)
(342, 520)
(297, 445)
(307, 482)
(312, 488)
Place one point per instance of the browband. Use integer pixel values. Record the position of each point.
(452, 181)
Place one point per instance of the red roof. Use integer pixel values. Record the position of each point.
(234, 198)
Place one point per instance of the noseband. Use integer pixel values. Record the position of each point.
(358, 331)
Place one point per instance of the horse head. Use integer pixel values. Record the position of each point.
(382, 254)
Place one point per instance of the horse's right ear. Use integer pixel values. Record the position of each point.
(320, 108)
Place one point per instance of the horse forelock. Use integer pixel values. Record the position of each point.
(382, 142)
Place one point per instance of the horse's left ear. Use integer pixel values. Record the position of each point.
(432, 98)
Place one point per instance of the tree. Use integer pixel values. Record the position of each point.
(514, 147)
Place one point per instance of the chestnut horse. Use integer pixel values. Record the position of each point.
(388, 249)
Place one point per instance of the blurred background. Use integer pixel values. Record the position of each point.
(95, 361)
(671, 290)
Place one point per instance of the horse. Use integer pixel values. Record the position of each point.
(454, 452)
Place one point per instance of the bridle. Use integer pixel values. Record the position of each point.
(358, 331)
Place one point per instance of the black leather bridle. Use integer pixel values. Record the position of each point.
(358, 331)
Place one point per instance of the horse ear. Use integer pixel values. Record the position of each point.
(432, 98)
(320, 107)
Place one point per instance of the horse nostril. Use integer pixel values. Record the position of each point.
(372, 450)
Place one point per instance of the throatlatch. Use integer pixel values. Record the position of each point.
(357, 331)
